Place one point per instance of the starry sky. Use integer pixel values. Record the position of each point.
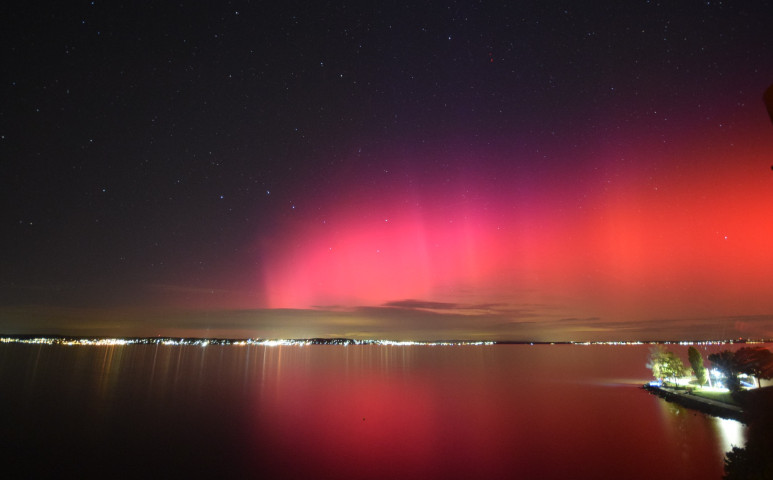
(449, 170)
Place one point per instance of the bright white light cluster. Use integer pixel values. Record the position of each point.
(46, 341)
(100, 341)
(275, 343)
(114, 341)
(69, 341)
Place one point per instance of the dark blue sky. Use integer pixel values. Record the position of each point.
(568, 167)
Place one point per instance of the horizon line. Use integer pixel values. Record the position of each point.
(333, 340)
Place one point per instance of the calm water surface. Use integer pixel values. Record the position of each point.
(505, 411)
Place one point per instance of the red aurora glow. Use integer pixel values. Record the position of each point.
(622, 243)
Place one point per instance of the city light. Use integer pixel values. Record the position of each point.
(203, 342)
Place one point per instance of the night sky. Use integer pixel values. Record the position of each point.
(454, 170)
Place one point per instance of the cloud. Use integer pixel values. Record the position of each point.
(483, 310)
(422, 304)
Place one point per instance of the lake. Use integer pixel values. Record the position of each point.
(369, 411)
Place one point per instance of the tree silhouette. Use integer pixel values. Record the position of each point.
(696, 362)
(755, 460)
(755, 361)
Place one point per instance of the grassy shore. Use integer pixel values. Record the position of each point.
(724, 397)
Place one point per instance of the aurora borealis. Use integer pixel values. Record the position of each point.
(455, 170)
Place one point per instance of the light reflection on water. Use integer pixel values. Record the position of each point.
(694, 436)
(732, 433)
(409, 412)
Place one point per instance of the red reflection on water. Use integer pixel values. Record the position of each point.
(348, 427)
(348, 412)
(485, 413)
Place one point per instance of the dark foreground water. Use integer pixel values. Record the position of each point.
(550, 411)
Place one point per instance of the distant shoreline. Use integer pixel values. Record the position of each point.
(102, 340)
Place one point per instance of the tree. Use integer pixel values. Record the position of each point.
(696, 361)
(754, 460)
(755, 361)
(664, 364)
(748, 463)
(724, 361)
